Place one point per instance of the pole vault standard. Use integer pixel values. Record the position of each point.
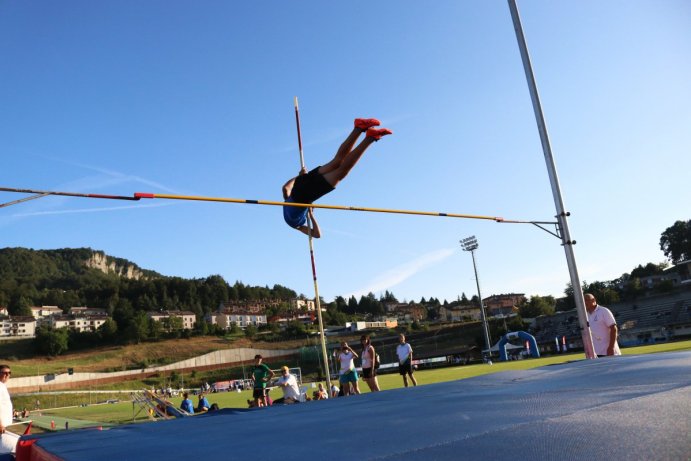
(317, 301)
(562, 222)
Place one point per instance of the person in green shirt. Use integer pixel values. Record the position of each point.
(261, 375)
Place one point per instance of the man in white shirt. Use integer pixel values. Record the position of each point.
(603, 327)
(405, 360)
(289, 384)
(8, 440)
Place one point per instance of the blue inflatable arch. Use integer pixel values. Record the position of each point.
(534, 352)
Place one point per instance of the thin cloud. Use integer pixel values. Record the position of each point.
(400, 273)
(113, 178)
(88, 210)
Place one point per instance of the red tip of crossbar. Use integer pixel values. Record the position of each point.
(499, 219)
(143, 195)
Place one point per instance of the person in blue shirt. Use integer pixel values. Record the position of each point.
(203, 404)
(308, 187)
(187, 404)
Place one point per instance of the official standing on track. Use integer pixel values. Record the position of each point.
(8, 440)
(603, 327)
(405, 360)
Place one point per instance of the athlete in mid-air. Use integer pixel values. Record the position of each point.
(308, 187)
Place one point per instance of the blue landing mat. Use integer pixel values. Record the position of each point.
(629, 407)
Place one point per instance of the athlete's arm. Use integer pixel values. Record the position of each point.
(316, 232)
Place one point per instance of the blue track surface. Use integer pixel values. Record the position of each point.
(630, 407)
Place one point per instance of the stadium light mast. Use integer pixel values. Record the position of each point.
(470, 244)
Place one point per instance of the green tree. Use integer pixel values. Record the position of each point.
(335, 317)
(154, 329)
(250, 331)
(201, 327)
(295, 329)
(138, 328)
(536, 306)
(675, 241)
(51, 341)
(388, 297)
(20, 305)
(649, 269)
(108, 330)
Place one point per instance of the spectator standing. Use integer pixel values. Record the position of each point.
(405, 360)
(289, 385)
(603, 327)
(369, 372)
(187, 404)
(348, 376)
(8, 440)
(260, 376)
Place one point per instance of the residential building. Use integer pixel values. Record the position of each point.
(241, 319)
(81, 323)
(409, 313)
(382, 324)
(188, 319)
(45, 311)
(17, 327)
(303, 304)
(88, 311)
(252, 307)
(460, 313)
(503, 304)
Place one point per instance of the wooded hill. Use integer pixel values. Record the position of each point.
(85, 277)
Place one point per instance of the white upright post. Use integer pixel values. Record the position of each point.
(556, 190)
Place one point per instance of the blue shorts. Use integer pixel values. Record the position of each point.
(349, 377)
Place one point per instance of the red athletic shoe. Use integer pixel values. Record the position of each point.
(378, 133)
(366, 123)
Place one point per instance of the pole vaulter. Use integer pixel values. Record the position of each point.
(317, 301)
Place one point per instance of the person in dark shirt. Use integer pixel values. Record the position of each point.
(261, 375)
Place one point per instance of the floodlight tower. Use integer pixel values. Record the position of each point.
(470, 244)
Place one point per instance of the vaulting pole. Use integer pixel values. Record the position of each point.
(554, 181)
(317, 301)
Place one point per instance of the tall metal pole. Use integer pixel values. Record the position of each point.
(470, 244)
(317, 301)
(485, 330)
(562, 215)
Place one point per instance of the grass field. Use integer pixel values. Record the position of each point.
(123, 411)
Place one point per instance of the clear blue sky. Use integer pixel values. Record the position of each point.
(196, 98)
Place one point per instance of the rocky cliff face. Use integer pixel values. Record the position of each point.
(108, 265)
